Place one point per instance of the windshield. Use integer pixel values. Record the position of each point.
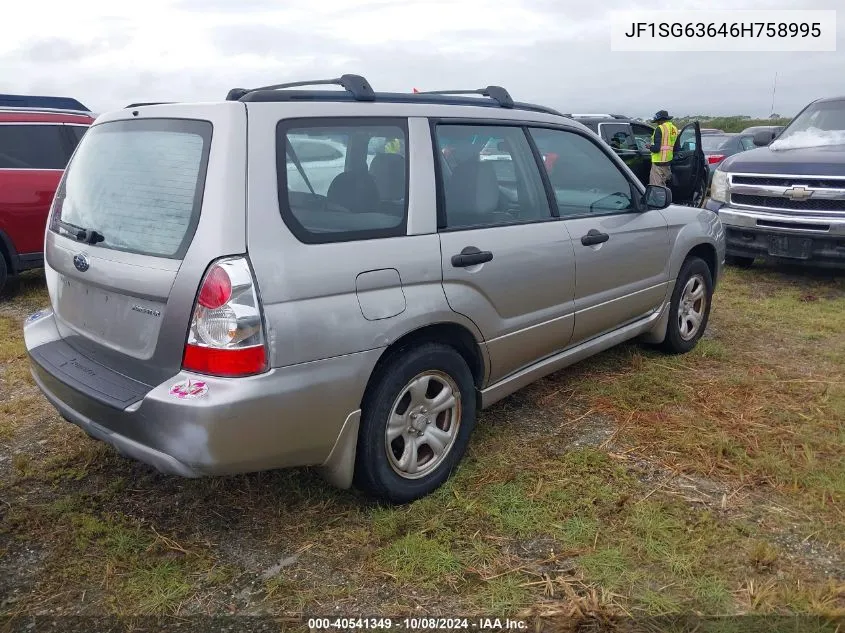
(712, 142)
(820, 124)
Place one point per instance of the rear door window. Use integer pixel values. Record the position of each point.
(33, 147)
(137, 183)
(491, 177)
(618, 136)
(343, 179)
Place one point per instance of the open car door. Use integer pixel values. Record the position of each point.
(689, 167)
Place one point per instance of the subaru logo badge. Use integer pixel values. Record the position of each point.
(81, 262)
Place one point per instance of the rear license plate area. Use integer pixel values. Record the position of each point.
(789, 246)
(85, 306)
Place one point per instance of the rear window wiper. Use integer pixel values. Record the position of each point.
(89, 236)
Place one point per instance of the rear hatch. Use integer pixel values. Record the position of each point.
(149, 199)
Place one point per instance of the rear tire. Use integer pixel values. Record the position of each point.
(739, 261)
(689, 309)
(415, 424)
(4, 273)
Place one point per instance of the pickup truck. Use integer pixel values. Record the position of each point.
(785, 200)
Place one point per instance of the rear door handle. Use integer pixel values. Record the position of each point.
(471, 256)
(594, 237)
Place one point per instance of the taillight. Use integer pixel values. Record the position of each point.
(715, 158)
(226, 337)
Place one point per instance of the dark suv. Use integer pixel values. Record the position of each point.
(630, 139)
(36, 142)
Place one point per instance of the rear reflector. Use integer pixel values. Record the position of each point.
(225, 362)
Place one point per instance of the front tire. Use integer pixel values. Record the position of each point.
(415, 424)
(689, 309)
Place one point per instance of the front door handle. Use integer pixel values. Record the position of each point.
(594, 237)
(471, 256)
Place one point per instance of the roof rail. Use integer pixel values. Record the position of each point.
(355, 85)
(87, 113)
(521, 105)
(147, 103)
(41, 101)
(496, 93)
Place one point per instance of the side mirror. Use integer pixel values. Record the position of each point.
(657, 197)
(763, 138)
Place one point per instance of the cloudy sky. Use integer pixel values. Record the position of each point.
(556, 52)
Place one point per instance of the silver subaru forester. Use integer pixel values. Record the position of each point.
(343, 278)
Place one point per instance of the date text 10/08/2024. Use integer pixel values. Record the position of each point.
(417, 624)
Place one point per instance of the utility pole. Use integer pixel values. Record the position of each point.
(774, 89)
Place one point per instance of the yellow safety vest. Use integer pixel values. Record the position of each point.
(392, 146)
(668, 136)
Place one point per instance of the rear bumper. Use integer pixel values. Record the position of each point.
(125, 446)
(749, 234)
(289, 416)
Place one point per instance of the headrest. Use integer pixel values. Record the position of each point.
(472, 189)
(388, 172)
(354, 190)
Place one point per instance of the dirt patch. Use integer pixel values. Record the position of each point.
(18, 571)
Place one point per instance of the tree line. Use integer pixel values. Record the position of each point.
(730, 123)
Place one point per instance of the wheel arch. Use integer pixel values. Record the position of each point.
(705, 251)
(448, 333)
(339, 467)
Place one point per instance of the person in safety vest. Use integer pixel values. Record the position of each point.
(393, 146)
(662, 144)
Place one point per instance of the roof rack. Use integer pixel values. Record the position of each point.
(355, 85)
(357, 88)
(42, 102)
(496, 93)
(31, 109)
(147, 103)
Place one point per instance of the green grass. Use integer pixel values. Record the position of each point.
(419, 560)
(528, 524)
(158, 588)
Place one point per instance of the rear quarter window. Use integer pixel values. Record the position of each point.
(42, 146)
(137, 183)
(342, 179)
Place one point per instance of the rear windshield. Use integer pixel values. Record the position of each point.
(714, 142)
(138, 184)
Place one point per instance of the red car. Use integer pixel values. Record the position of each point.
(35, 146)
